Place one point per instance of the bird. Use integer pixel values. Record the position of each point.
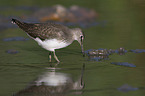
(51, 36)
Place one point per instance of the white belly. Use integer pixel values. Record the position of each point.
(51, 45)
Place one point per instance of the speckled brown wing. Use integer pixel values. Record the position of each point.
(45, 30)
(50, 31)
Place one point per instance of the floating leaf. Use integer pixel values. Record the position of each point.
(12, 51)
(138, 50)
(126, 88)
(123, 64)
(15, 39)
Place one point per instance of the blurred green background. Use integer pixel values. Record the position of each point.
(124, 27)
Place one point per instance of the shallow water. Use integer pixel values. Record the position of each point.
(124, 28)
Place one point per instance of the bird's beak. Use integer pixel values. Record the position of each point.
(81, 43)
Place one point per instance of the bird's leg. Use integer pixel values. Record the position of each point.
(50, 56)
(55, 57)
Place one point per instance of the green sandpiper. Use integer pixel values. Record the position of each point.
(51, 36)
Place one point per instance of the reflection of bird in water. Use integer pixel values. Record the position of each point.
(53, 84)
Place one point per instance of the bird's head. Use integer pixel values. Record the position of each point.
(79, 36)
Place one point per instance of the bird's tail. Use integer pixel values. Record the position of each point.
(22, 25)
(15, 21)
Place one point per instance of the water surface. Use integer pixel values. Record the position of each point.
(124, 27)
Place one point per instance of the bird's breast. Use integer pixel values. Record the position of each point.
(52, 44)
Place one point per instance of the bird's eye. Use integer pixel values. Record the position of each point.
(82, 37)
